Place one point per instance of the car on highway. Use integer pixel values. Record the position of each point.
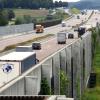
(36, 45)
(70, 36)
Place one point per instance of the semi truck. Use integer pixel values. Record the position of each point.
(14, 64)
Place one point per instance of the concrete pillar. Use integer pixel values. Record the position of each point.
(47, 70)
(15, 89)
(37, 73)
(31, 86)
(76, 69)
(56, 71)
(68, 68)
(63, 61)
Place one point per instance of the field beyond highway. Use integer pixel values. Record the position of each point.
(32, 13)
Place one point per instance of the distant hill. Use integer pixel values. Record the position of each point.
(86, 4)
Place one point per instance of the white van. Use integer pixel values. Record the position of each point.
(61, 38)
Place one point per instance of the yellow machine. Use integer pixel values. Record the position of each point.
(39, 29)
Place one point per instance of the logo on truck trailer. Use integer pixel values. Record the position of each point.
(7, 68)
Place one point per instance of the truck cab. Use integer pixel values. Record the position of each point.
(39, 29)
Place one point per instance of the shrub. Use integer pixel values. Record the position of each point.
(63, 83)
(45, 89)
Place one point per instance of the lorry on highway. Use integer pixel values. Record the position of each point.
(39, 29)
(63, 24)
(61, 38)
(81, 30)
(78, 17)
(87, 27)
(14, 64)
(84, 28)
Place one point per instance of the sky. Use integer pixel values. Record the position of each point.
(67, 0)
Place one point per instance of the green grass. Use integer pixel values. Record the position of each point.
(75, 11)
(94, 93)
(32, 13)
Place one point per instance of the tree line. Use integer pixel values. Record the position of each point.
(32, 4)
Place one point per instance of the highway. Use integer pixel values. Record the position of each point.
(48, 49)
(50, 46)
(50, 30)
(94, 19)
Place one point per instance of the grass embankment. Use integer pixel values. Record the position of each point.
(32, 13)
(75, 11)
(94, 93)
(27, 42)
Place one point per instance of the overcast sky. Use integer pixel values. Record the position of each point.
(67, 0)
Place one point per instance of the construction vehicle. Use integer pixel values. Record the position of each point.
(39, 29)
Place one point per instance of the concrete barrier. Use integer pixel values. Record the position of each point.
(13, 29)
(71, 59)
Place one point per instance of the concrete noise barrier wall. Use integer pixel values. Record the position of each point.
(13, 29)
(74, 60)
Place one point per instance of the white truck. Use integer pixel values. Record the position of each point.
(63, 24)
(61, 38)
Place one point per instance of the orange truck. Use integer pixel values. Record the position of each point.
(39, 29)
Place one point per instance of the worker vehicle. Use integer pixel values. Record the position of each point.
(39, 29)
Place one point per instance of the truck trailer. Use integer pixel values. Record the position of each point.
(14, 64)
(61, 37)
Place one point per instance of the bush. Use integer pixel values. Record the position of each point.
(63, 83)
(49, 17)
(3, 18)
(50, 23)
(27, 19)
(45, 89)
(23, 20)
(11, 14)
(19, 20)
(74, 11)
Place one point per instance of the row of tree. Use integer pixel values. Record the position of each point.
(32, 4)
